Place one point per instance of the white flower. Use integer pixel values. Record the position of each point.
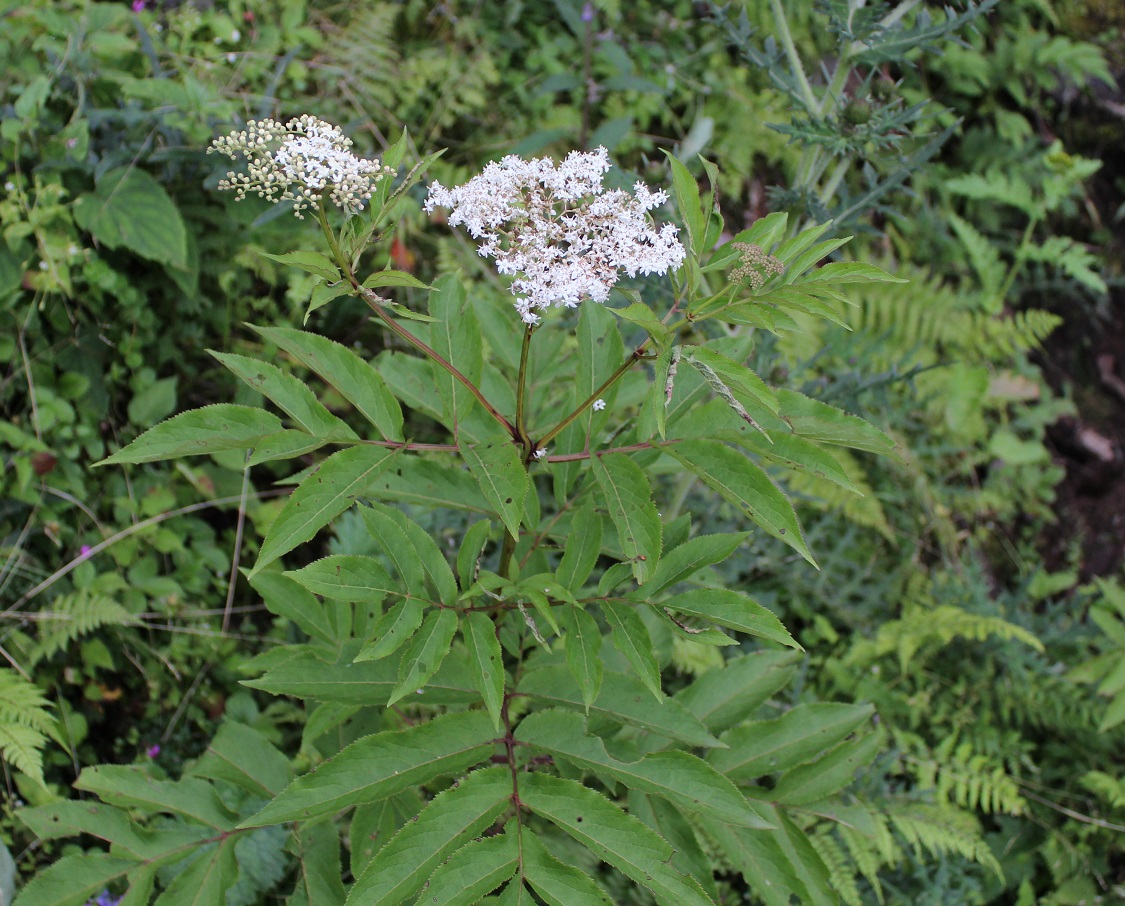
(539, 454)
(599, 405)
(9, 187)
(299, 162)
(558, 230)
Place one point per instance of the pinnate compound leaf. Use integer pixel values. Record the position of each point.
(211, 429)
(679, 777)
(74, 880)
(612, 835)
(321, 497)
(798, 736)
(583, 652)
(392, 630)
(474, 870)
(557, 883)
(127, 786)
(402, 866)
(740, 482)
(346, 577)
(289, 394)
(381, 765)
(485, 660)
(309, 262)
(631, 637)
(623, 699)
(797, 453)
(425, 653)
(734, 610)
(629, 497)
(496, 465)
(356, 380)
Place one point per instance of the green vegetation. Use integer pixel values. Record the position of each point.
(734, 589)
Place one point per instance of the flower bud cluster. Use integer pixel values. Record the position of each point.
(298, 162)
(558, 230)
(755, 267)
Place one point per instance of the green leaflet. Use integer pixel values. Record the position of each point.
(684, 560)
(583, 546)
(74, 880)
(629, 498)
(622, 699)
(736, 378)
(472, 546)
(381, 765)
(426, 651)
(652, 418)
(306, 676)
(612, 835)
(486, 661)
(356, 380)
(285, 444)
(850, 272)
(828, 774)
(673, 825)
(600, 351)
(241, 755)
(645, 318)
(211, 429)
(683, 779)
(402, 866)
(285, 598)
(762, 862)
(798, 736)
(583, 652)
(501, 474)
(207, 879)
(817, 421)
(631, 637)
(373, 824)
(723, 698)
(686, 190)
(289, 394)
(321, 497)
(128, 786)
(392, 630)
(456, 338)
(743, 484)
(474, 870)
(317, 848)
(733, 610)
(309, 262)
(346, 577)
(423, 546)
(557, 883)
(115, 826)
(384, 527)
(797, 453)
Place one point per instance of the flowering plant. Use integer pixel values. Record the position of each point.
(522, 657)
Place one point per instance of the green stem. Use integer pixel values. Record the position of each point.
(786, 38)
(592, 398)
(521, 393)
(373, 303)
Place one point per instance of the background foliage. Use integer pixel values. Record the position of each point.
(964, 154)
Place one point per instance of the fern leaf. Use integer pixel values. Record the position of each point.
(73, 616)
(25, 723)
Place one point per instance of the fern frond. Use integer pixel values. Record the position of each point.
(25, 723)
(973, 780)
(73, 616)
(363, 56)
(941, 830)
(1106, 787)
(841, 873)
(869, 854)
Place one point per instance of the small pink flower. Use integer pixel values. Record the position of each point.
(138, 6)
(153, 750)
(84, 552)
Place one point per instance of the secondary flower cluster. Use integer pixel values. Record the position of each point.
(558, 229)
(298, 162)
(755, 266)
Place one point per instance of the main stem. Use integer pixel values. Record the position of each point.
(508, 550)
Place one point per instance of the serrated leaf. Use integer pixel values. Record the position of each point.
(645, 318)
(323, 293)
(285, 444)
(485, 660)
(817, 421)
(736, 377)
(764, 233)
(828, 774)
(583, 547)
(683, 779)
(321, 497)
(288, 394)
(798, 454)
(623, 699)
(211, 429)
(476, 869)
(426, 651)
(629, 498)
(74, 880)
(723, 698)
(410, 856)
(206, 879)
(684, 560)
(196, 800)
(356, 380)
(740, 482)
(850, 272)
(309, 262)
(762, 862)
(734, 610)
(391, 277)
(381, 765)
(686, 190)
(612, 835)
(422, 545)
(346, 577)
(392, 630)
(317, 848)
(631, 637)
(499, 470)
(285, 598)
(583, 652)
(557, 883)
(456, 337)
(653, 416)
(385, 529)
(798, 736)
(812, 255)
(240, 755)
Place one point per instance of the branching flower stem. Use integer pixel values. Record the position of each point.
(373, 303)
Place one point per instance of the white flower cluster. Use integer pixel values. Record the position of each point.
(558, 229)
(298, 162)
